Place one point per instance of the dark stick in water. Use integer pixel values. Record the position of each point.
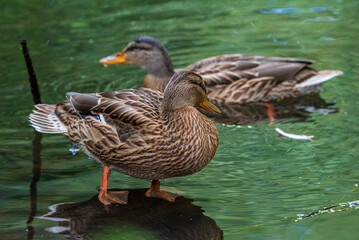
(36, 143)
(32, 76)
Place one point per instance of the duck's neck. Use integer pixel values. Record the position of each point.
(156, 83)
(179, 119)
(188, 125)
(159, 73)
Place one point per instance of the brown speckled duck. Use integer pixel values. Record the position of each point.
(231, 78)
(138, 132)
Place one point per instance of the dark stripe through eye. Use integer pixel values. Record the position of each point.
(199, 84)
(132, 48)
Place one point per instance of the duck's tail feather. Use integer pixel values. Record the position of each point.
(44, 119)
(319, 78)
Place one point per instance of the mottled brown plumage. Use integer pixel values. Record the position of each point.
(231, 78)
(139, 132)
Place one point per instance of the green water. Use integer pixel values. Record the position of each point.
(256, 185)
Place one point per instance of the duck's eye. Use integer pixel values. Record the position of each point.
(193, 82)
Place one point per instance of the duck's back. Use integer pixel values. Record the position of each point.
(237, 78)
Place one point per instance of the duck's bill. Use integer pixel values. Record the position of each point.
(208, 106)
(118, 58)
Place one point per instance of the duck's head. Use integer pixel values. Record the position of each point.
(186, 89)
(145, 52)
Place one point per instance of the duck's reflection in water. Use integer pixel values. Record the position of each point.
(141, 218)
(287, 111)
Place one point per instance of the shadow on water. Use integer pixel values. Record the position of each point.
(286, 111)
(153, 218)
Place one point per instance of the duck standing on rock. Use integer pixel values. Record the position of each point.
(230, 78)
(139, 132)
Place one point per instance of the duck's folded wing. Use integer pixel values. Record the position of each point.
(225, 69)
(135, 108)
(242, 91)
(127, 121)
(104, 140)
(98, 137)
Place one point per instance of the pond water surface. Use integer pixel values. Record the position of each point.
(258, 186)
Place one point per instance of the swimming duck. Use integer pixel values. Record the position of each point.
(230, 78)
(139, 132)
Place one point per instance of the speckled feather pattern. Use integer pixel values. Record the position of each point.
(137, 139)
(236, 78)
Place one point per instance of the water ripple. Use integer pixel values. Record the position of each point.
(279, 11)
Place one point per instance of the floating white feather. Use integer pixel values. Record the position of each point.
(294, 136)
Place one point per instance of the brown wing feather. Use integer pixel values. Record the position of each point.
(136, 108)
(243, 91)
(98, 137)
(236, 78)
(225, 69)
(132, 122)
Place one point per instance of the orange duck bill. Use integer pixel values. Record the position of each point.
(118, 58)
(207, 105)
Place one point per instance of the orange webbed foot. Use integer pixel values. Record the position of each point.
(110, 197)
(155, 191)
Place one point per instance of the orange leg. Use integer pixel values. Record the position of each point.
(108, 197)
(270, 112)
(154, 191)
